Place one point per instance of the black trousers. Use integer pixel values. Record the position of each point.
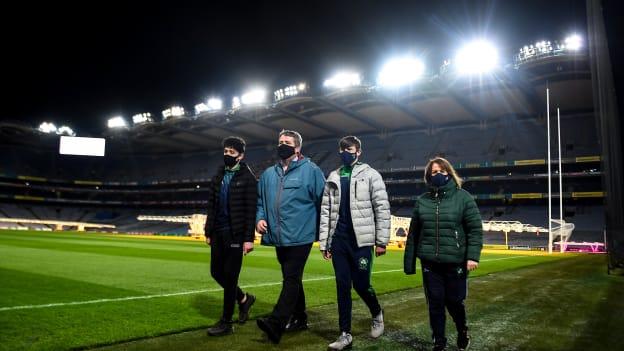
(226, 260)
(446, 285)
(291, 301)
(352, 266)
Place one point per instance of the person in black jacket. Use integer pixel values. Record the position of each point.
(230, 230)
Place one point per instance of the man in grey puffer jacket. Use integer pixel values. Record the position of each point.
(355, 216)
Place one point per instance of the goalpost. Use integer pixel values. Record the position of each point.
(561, 229)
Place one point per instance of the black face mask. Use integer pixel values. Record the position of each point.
(230, 161)
(285, 151)
(440, 179)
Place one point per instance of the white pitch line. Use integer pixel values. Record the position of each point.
(191, 292)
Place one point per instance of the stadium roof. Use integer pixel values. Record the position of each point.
(445, 99)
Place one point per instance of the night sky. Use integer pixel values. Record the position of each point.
(80, 65)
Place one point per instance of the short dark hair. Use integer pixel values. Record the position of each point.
(235, 143)
(349, 141)
(293, 134)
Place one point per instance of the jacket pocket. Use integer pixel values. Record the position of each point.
(361, 190)
(292, 183)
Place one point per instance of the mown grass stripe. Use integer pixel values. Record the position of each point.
(191, 292)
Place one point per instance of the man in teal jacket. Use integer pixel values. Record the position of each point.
(287, 216)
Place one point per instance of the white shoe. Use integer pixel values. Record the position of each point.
(377, 325)
(344, 341)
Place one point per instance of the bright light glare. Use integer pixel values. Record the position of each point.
(251, 97)
(65, 130)
(47, 127)
(174, 111)
(573, 42)
(401, 71)
(199, 108)
(290, 91)
(343, 80)
(236, 103)
(215, 104)
(477, 57)
(117, 122)
(142, 118)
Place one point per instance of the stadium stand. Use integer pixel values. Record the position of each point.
(494, 132)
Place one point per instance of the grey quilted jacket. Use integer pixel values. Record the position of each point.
(370, 209)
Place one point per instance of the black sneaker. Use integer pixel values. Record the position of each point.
(271, 328)
(463, 340)
(220, 329)
(243, 308)
(439, 344)
(297, 323)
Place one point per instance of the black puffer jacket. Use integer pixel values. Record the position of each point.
(242, 198)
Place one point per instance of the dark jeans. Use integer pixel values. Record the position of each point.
(291, 301)
(225, 266)
(352, 266)
(445, 285)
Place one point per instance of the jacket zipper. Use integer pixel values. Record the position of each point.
(329, 223)
(457, 238)
(228, 200)
(277, 208)
(437, 225)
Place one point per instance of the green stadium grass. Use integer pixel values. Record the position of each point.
(513, 302)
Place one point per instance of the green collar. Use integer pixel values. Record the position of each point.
(233, 169)
(345, 171)
(447, 189)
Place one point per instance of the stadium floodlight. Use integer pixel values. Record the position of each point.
(236, 102)
(541, 48)
(117, 122)
(47, 127)
(252, 97)
(215, 104)
(65, 130)
(141, 118)
(400, 71)
(199, 108)
(174, 111)
(343, 80)
(290, 91)
(477, 57)
(573, 42)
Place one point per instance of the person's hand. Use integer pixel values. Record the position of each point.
(326, 254)
(379, 251)
(472, 265)
(261, 226)
(247, 247)
(208, 240)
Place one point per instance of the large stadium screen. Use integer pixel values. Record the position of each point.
(81, 146)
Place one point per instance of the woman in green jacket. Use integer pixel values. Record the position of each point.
(446, 233)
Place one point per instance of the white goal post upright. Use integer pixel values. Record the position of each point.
(550, 233)
(561, 246)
